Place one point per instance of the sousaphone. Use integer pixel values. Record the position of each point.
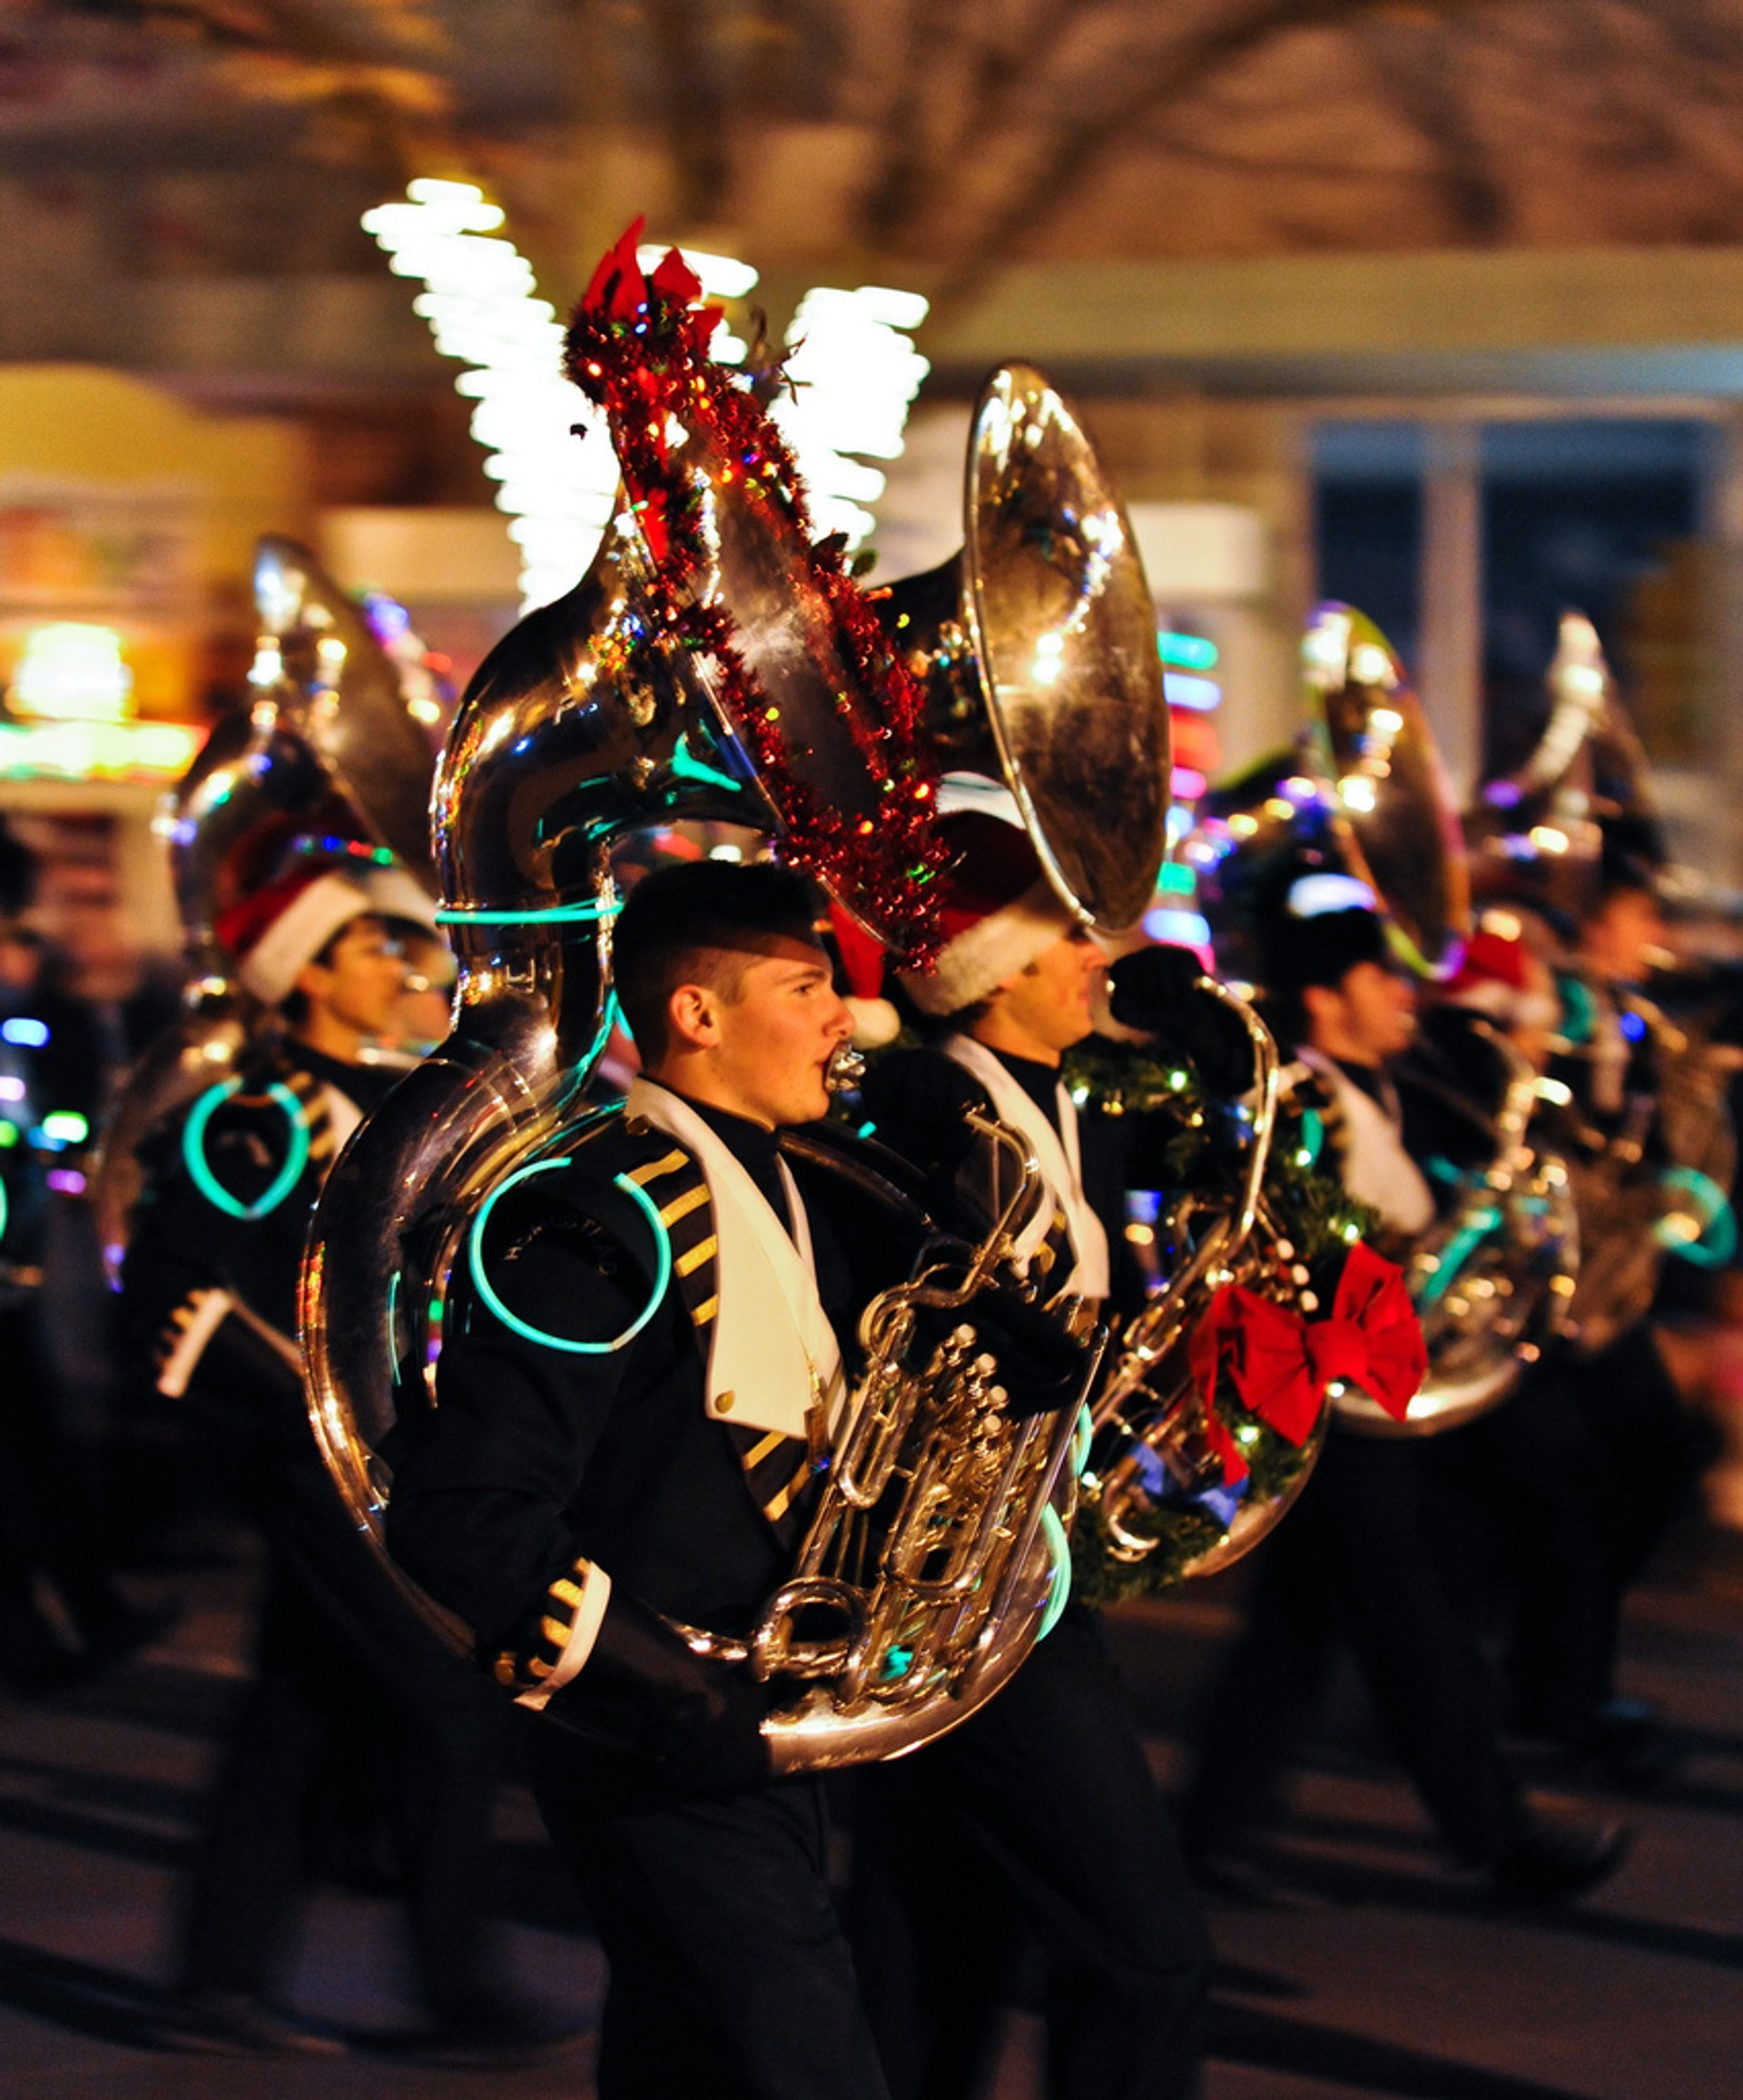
(328, 744)
(588, 723)
(1491, 1278)
(1035, 647)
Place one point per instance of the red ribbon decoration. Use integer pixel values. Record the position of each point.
(1281, 1364)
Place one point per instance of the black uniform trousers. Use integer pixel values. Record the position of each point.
(730, 1973)
(1037, 1819)
(1574, 1482)
(1359, 1560)
(343, 1666)
(51, 1524)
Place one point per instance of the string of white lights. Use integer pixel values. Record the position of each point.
(855, 372)
(481, 304)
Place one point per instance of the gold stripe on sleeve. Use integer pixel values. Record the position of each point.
(656, 1170)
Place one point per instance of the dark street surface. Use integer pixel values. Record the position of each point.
(1373, 1973)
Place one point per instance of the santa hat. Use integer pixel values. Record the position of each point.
(999, 914)
(287, 923)
(876, 1021)
(1495, 979)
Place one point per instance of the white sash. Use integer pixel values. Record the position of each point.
(769, 1347)
(1057, 1153)
(1376, 1169)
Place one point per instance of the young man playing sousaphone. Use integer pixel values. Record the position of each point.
(642, 1375)
(1040, 1812)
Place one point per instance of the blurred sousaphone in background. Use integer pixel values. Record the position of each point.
(1652, 1177)
(1536, 834)
(329, 744)
(1365, 794)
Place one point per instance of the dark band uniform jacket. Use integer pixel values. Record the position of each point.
(559, 1500)
(205, 1277)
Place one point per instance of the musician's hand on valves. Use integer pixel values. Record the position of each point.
(1037, 1362)
(1158, 992)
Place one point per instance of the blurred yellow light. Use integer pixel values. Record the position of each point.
(72, 673)
(98, 750)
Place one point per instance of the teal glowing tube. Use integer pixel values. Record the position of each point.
(1457, 1251)
(1718, 1239)
(194, 1151)
(547, 915)
(474, 1243)
(1082, 1437)
(1059, 1548)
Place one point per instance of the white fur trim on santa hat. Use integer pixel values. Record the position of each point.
(397, 893)
(875, 1023)
(983, 956)
(299, 933)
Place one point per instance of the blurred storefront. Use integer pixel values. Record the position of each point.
(127, 525)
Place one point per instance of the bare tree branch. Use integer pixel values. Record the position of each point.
(1082, 147)
(1420, 75)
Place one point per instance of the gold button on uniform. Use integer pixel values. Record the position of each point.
(723, 1405)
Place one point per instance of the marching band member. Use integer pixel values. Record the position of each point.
(1039, 1810)
(624, 1440)
(1356, 1555)
(210, 1292)
(1641, 1450)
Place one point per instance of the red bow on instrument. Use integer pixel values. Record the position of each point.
(619, 290)
(1281, 1364)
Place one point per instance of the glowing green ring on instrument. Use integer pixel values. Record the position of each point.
(474, 1241)
(547, 915)
(5, 1211)
(1458, 1250)
(1312, 1135)
(1580, 1010)
(1082, 1437)
(1058, 1549)
(194, 1151)
(1717, 1241)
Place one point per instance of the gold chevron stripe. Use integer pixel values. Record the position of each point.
(704, 1250)
(682, 1205)
(656, 1169)
(706, 1311)
(777, 1506)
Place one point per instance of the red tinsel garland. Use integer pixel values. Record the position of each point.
(639, 348)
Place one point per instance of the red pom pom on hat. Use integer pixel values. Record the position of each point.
(1492, 958)
(863, 957)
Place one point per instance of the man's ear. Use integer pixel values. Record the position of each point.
(693, 1017)
(311, 980)
(1317, 1002)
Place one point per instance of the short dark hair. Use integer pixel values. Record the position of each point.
(698, 923)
